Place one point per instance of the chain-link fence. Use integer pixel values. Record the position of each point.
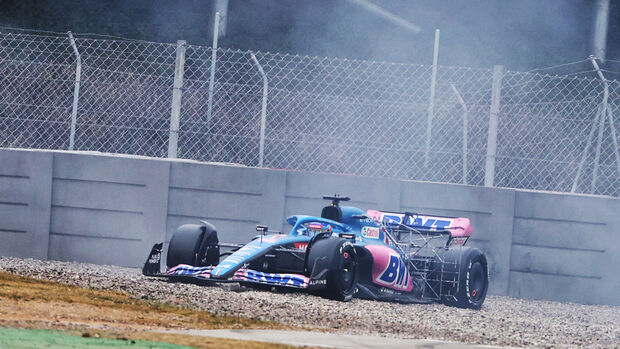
(553, 132)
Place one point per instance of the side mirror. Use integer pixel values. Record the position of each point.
(262, 229)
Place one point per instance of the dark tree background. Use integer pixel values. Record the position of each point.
(521, 35)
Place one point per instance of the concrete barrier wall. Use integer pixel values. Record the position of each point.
(25, 203)
(568, 243)
(106, 209)
(234, 199)
(110, 210)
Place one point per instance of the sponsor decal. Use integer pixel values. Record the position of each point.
(319, 227)
(301, 245)
(272, 238)
(155, 258)
(459, 241)
(345, 244)
(427, 222)
(390, 291)
(391, 219)
(317, 282)
(184, 269)
(467, 292)
(273, 279)
(347, 236)
(386, 290)
(370, 232)
(395, 274)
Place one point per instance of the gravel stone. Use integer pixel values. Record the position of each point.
(503, 321)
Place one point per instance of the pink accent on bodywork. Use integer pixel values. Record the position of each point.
(381, 259)
(460, 227)
(375, 215)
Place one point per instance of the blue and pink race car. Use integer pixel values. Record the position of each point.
(344, 253)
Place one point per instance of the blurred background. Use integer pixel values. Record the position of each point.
(521, 35)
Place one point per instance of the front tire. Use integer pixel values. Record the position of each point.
(193, 244)
(335, 260)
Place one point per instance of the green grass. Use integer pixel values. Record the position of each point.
(21, 339)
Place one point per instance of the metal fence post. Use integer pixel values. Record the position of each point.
(263, 113)
(431, 102)
(177, 94)
(465, 121)
(601, 127)
(597, 153)
(216, 28)
(76, 90)
(585, 150)
(496, 90)
(614, 139)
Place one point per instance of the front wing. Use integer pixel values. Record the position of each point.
(243, 275)
(152, 267)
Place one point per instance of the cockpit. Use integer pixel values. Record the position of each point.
(313, 228)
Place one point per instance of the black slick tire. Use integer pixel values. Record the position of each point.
(473, 282)
(335, 260)
(193, 244)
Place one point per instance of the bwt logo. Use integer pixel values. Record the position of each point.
(428, 222)
(395, 274)
(418, 222)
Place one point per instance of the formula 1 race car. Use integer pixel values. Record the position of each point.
(344, 253)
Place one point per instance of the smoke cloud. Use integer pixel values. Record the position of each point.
(521, 35)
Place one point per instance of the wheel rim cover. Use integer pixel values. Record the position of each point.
(477, 281)
(348, 272)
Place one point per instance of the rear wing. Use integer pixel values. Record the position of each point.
(457, 227)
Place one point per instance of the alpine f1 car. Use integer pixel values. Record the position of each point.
(344, 253)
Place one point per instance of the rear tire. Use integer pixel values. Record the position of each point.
(337, 258)
(473, 277)
(193, 244)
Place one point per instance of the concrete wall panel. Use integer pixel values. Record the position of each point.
(560, 233)
(14, 214)
(232, 198)
(79, 221)
(568, 245)
(556, 261)
(98, 195)
(555, 287)
(25, 194)
(98, 250)
(107, 209)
